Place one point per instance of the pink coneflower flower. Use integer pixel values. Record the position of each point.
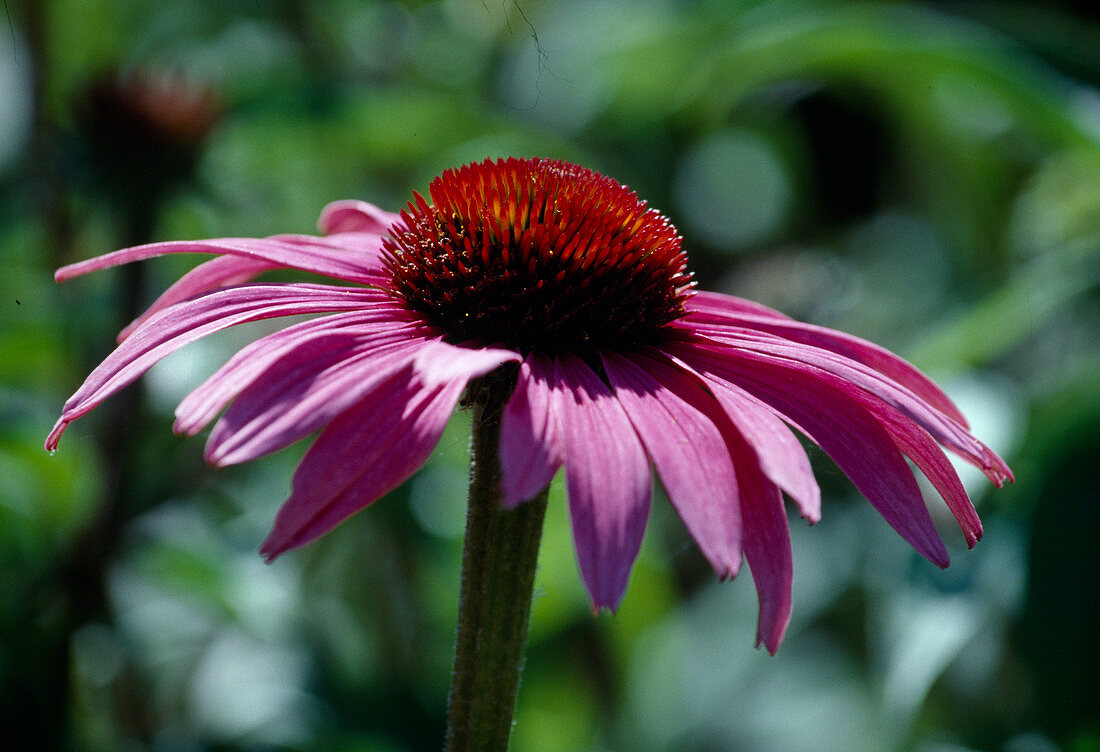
(619, 363)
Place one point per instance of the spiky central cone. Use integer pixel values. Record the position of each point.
(538, 254)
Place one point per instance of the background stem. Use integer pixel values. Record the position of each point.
(498, 576)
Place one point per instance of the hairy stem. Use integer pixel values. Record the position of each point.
(498, 577)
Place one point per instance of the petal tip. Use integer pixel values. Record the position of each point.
(597, 610)
(605, 602)
(509, 499)
(728, 570)
(179, 425)
(270, 552)
(278, 542)
(770, 631)
(55, 435)
(189, 423)
(214, 457)
(770, 645)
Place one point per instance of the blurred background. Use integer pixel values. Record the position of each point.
(926, 175)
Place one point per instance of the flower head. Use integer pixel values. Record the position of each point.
(538, 255)
(620, 365)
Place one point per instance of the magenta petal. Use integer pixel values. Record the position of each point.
(438, 362)
(847, 345)
(362, 455)
(929, 457)
(704, 301)
(355, 216)
(767, 549)
(364, 247)
(325, 256)
(172, 328)
(777, 449)
(607, 478)
(329, 332)
(304, 391)
(867, 386)
(219, 272)
(756, 500)
(868, 353)
(845, 430)
(530, 444)
(675, 419)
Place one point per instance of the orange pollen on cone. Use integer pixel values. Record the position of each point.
(538, 254)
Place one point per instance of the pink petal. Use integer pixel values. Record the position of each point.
(844, 429)
(304, 392)
(777, 449)
(355, 216)
(607, 478)
(438, 362)
(869, 387)
(530, 443)
(912, 437)
(704, 301)
(172, 328)
(855, 348)
(762, 517)
(325, 256)
(928, 456)
(200, 406)
(362, 455)
(218, 272)
(767, 548)
(364, 247)
(674, 418)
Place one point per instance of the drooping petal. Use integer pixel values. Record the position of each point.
(438, 362)
(222, 271)
(840, 343)
(929, 457)
(767, 543)
(868, 387)
(674, 418)
(855, 348)
(172, 328)
(752, 437)
(365, 453)
(607, 478)
(530, 443)
(777, 450)
(355, 216)
(325, 256)
(302, 393)
(330, 332)
(843, 428)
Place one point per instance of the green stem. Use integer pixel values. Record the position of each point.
(498, 577)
